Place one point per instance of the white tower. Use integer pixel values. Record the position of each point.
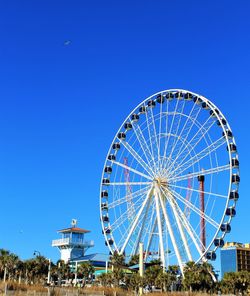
(72, 244)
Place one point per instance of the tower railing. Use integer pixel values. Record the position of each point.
(72, 241)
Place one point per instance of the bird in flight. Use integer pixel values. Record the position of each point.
(66, 42)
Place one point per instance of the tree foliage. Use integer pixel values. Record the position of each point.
(198, 277)
(235, 282)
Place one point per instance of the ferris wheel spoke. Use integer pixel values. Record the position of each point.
(136, 220)
(132, 170)
(188, 226)
(199, 191)
(202, 172)
(151, 118)
(150, 135)
(191, 118)
(159, 137)
(159, 224)
(180, 227)
(170, 132)
(139, 235)
(126, 214)
(194, 209)
(176, 130)
(170, 231)
(125, 233)
(152, 227)
(127, 183)
(141, 139)
(124, 199)
(199, 156)
(166, 133)
(199, 135)
(138, 158)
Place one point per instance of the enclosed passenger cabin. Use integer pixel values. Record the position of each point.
(134, 117)
(142, 109)
(151, 104)
(111, 157)
(235, 163)
(169, 96)
(105, 181)
(214, 113)
(188, 97)
(160, 99)
(108, 170)
(205, 106)
(223, 122)
(234, 195)
(110, 242)
(219, 242)
(104, 206)
(225, 227)
(211, 255)
(116, 146)
(128, 126)
(105, 218)
(197, 100)
(229, 134)
(232, 148)
(179, 95)
(107, 230)
(121, 136)
(104, 194)
(231, 211)
(235, 179)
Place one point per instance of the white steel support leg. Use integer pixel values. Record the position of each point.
(150, 238)
(186, 225)
(136, 220)
(156, 194)
(171, 234)
(141, 229)
(183, 237)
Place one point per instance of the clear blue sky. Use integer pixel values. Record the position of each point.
(61, 105)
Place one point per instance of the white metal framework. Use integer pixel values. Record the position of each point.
(169, 140)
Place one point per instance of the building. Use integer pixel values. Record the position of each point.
(72, 244)
(235, 257)
(97, 260)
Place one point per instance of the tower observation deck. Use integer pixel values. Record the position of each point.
(72, 244)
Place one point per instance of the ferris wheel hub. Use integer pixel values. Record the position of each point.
(161, 181)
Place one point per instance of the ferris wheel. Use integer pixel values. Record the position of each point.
(170, 180)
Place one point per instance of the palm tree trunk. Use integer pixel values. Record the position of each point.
(5, 274)
(19, 278)
(26, 277)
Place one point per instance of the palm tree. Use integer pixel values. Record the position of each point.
(134, 281)
(4, 258)
(12, 263)
(133, 260)
(235, 282)
(118, 264)
(20, 270)
(86, 270)
(164, 280)
(106, 279)
(198, 277)
(152, 272)
(63, 271)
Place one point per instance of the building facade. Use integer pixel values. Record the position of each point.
(235, 257)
